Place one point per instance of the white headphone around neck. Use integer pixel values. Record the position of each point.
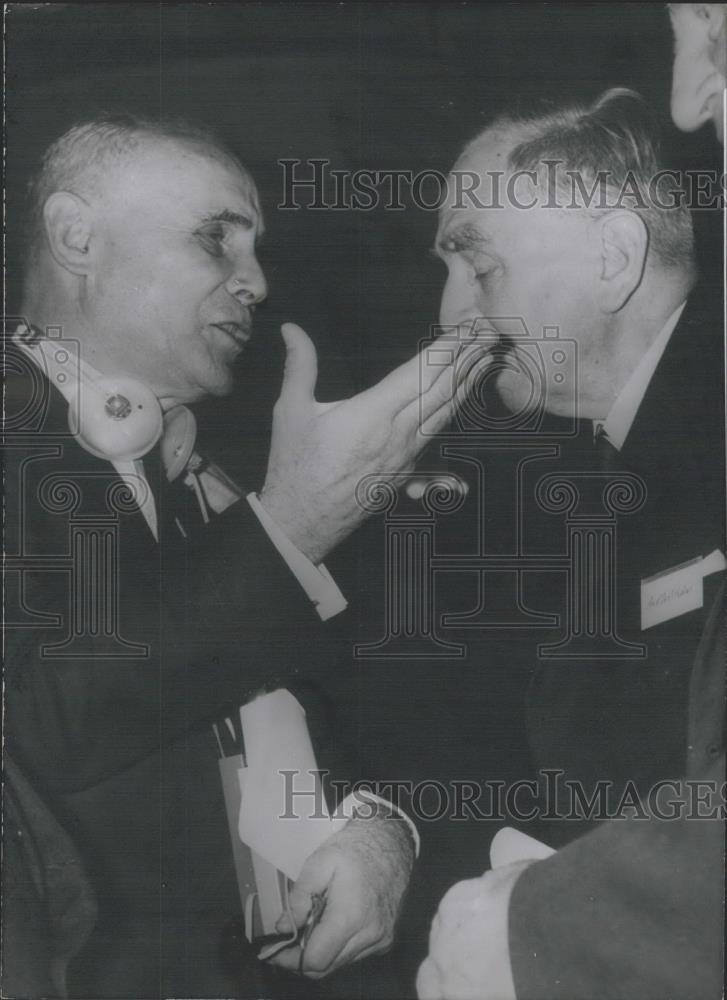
(116, 418)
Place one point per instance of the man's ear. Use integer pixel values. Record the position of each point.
(67, 220)
(624, 241)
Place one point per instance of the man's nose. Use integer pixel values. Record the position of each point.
(695, 79)
(458, 303)
(687, 73)
(247, 282)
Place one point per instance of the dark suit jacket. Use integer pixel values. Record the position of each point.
(114, 733)
(634, 908)
(626, 719)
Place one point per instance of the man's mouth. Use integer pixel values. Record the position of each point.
(237, 332)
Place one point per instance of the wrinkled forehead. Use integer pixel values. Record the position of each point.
(476, 184)
(180, 183)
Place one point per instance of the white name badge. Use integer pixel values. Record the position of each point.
(677, 590)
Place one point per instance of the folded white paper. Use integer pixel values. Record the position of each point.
(283, 814)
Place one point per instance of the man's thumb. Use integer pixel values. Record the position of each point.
(301, 363)
(299, 904)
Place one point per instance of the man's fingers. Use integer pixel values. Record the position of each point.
(288, 958)
(340, 923)
(301, 364)
(438, 420)
(440, 367)
(327, 943)
(407, 382)
(397, 389)
(359, 947)
(313, 879)
(320, 961)
(458, 381)
(299, 907)
(435, 408)
(428, 984)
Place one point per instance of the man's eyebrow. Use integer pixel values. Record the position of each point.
(235, 218)
(461, 239)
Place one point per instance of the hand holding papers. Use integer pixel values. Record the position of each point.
(350, 871)
(280, 765)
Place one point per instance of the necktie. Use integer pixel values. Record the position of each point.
(607, 456)
(168, 502)
(195, 495)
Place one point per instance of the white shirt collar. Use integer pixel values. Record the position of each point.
(623, 412)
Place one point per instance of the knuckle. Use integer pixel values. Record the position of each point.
(313, 974)
(316, 964)
(386, 942)
(371, 937)
(455, 897)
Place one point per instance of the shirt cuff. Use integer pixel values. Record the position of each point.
(316, 581)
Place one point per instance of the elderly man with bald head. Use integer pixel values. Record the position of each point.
(633, 909)
(142, 256)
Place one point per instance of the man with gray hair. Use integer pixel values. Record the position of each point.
(630, 907)
(140, 293)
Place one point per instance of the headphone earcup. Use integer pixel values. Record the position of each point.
(118, 419)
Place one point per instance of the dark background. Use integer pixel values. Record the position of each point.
(365, 85)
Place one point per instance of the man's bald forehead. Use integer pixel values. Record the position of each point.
(92, 154)
(473, 181)
(154, 153)
(493, 143)
(172, 184)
